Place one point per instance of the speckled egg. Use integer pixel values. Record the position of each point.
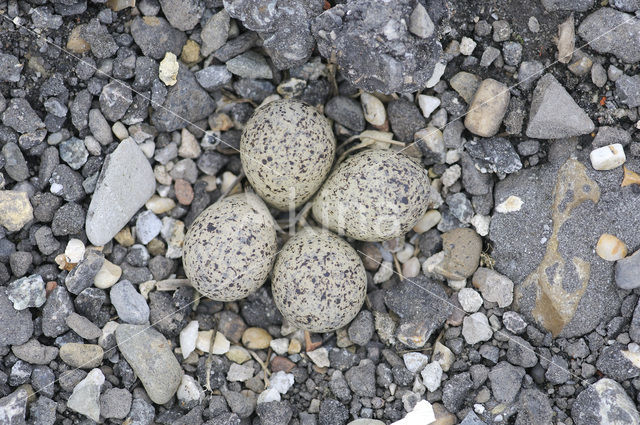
(318, 282)
(287, 149)
(230, 248)
(374, 195)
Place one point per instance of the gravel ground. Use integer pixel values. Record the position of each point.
(512, 299)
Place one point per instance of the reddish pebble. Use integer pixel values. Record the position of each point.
(51, 286)
(311, 341)
(279, 363)
(184, 191)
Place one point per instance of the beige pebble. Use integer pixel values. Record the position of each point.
(221, 344)
(611, 248)
(159, 205)
(146, 287)
(108, 275)
(374, 111)
(76, 43)
(429, 220)
(168, 69)
(228, 179)
(124, 237)
(411, 268)
(405, 253)
(511, 204)
(384, 272)
(488, 108)
(189, 147)
(238, 354)
(295, 347)
(256, 339)
(120, 130)
(566, 40)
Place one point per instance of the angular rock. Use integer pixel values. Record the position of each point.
(151, 358)
(375, 49)
(115, 99)
(16, 326)
(554, 114)
(14, 162)
(534, 408)
(27, 292)
(462, 248)
(84, 274)
(487, 109)
(214, 33)
(628, 272)
(494, 155)
(155, 36)
(494, 286)
(10, 68)
(55, 312)
(182, 14)
(506, 380)
(13, 408)
(628, 90)
(125, 183)
(21, 117)
(35, 353)
(610, 31)
(617, 363)
(604, 402)
(546, 246)
(85, 398)
(186, 102)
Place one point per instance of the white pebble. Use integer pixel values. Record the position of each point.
(411, 268)
(428, 104)
(421, 414)
(188, 337)
(220, 345)
(406, 253)
(429, 220)
(320, 357)
(108, 275)
(431, 376)
(119, 130)
(281, 381)
(415, 362)
(511, 204)
(148, 148)
(457, 285)
(438, 71)
(74, 251)
(268, 395)
(467, 45)
(384, 273)
(470, 300)
(608, 157)
(475, 328)
(189, 390)
(92, 145)
(374, 111)
(451, 175)
(279, 345)
(452, 156)
(481, 224)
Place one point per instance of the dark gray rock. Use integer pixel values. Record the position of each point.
(182, 14)
(15, 164)
(155, 37)
(534, 408)
(68, 220)
(567, 303)
(47, 243)
(66, 183)
(43, 411)
(141, 413)
(474, 182)
(610, 135)
(361, 328)
(213, 77)
(558, 370)
(455, 391)
(494, 155)
(186, 102)
(604, 402)
(42, 380)
(130, 305)
(405, 119)
(362, 379)
(419, 305)
(21, 117)
(10, 68)
(374, 47)
(115, 99)
(100, 39)
(16, 326)
(79, 109)
(628, 90)
(554, 114)
(339, 387)
(332, 412)
(274, 413)
(55, 312)
(626, 5)
(285, 29)
(616, 363)
(83, 275)
(505, 381)
(345, 111)
(521, 353)
(610, 31)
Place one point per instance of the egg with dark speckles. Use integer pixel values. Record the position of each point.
(287, 149)
(230, 248)
(319, 283)
(374, 195)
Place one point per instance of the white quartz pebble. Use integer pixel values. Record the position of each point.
(608, 157)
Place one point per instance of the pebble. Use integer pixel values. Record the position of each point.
(431, 376)
(374, 112)
(611, 248)
(475, 328)
(189, 391)
(256, 339)
(73, 152)
(384, 273)
(320, 357)
(10, 68)
(115, 99)
(428, 104)
(467, 45)
(405, 119)
(127, 183)
(129, 304)
(183, 15)
(604, 399)
(607, 157)
(74, 251)
(347, 112)
(35, 353)
(15, 164)
(27, 292)
(55, 312)
(215, 32)
(411, 268)
(250, 65)
(213, 77)
(188, 337)
(83, 326)
(115, 403)
(422, 413)
(83, 356)
(514, 322)
(159, 205)
(489, 56)
(462, 248)
(415, 362)
(506, 380)
(84, 274)
(85, 398)
(220, 346)
(108, 275)
(239, 373)
(487, 109)
(361, 328)
(15, 210)
(238, 354)
(148, 226)
(281, 381)
(628, 271)
(279, 345)
(21, 117)
(150, 356)
(155, 36)
(494, 286)
(470, 300)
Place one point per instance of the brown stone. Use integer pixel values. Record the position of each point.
(231, 325)
(279, 363)
(462, 248)
(184, 191)
(488, 108)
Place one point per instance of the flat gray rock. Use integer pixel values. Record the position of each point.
(610, 31)
(125, 183)
(547, 246)
(16, 326)
(130, 305)
(151, 358)
(554, 114)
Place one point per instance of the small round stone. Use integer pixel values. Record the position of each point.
(256, 339)
(318, 281)
(230, 248)
(611, 248)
